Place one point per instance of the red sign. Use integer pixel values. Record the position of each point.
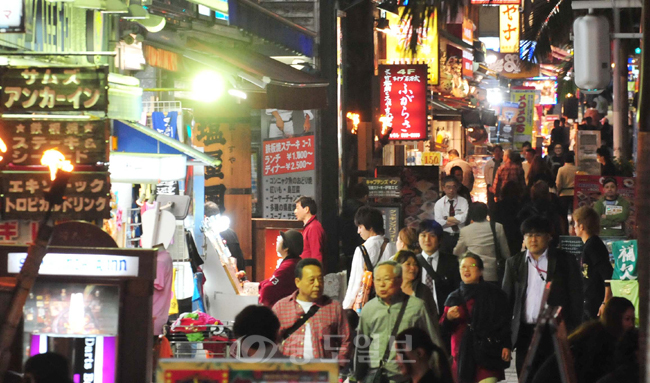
(497, 2)
(288, 155)
(404, 100)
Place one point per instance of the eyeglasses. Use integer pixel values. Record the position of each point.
(467, 267)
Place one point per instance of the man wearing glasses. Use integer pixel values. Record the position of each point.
(525, 278)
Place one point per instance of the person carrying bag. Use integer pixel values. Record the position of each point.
(367, 291)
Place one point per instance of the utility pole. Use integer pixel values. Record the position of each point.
(642, 193)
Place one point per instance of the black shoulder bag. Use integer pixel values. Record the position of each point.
(303, 319)
(427, 266)
(379, 375)
(501, 262)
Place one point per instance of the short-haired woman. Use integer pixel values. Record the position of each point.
(412, 281)
(478, 319)
(596, 269)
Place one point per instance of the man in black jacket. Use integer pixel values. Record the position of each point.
(524, 281)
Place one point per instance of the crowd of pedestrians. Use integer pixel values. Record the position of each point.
(458, 298)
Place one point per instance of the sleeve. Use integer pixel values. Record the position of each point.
(559, 181)
(270, 111)
(508, 285)
(344, 333)
(389, 252)
(355, 279)
(362, 355)
(438, 211)
(317, 244)
(575, 293)
(164, 267)
(461, 246)
(263, 292)
(496, 185)
(488, 169)
(427, 324)
(503, 241)
(601, 264)
(308, 113)
(464, 207)
(617, 219)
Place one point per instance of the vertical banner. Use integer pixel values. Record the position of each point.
(509, 29)
(404, 100)
(524, 120)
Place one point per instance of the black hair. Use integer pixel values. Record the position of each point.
(531, 150)
(306, 262)
(309, 202)
(610, 180)
(48, 367)
(353, 319)
(562, 119)
(612, 317)
(627, 347)
(478, 212)
(210, 208)
(556, 123)
(360, 190)
(513, 156)
(370, 218)
(526, 143)
(536, 225)
(497, 147)
(430, 226)
(417, 338)
(603, 151)
(403, 256)
(454, 169)
(570, 157)
(450, 178)
(475, 257)
(257, 321)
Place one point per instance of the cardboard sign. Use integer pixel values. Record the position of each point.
(53, 89)
(87, 196)
(81, 142)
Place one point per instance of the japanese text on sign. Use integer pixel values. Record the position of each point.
(403, 100)
(523, 122)
(79, 142)
(384, 187)
(87, 196)
(288, 155)
(53, 89)
(280, 193)
(509, 28)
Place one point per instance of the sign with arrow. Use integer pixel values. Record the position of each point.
(12, 16)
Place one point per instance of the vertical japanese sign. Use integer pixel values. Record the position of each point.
(468, 57)
(524, 120)
(509, 28)
(404, 100)
(288, 173)
(211, 136)
(53, 89)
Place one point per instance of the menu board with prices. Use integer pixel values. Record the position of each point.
(288, 155)
(81, 142)
(53, 89)
(281, 191)
(384, 187)
(87, 196)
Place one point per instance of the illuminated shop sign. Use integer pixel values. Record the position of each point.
(79, 265)
(404, 100)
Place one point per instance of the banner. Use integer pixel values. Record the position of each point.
(53, 89)
(509, 65)
(509, 28)
(625, 257)
(404, 100)
(524, 120)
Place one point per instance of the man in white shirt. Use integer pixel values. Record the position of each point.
(450, 212)
(282, 122)
(439, 269)
(370, 226)
(455, 160)
(529, 155)
(525, 278)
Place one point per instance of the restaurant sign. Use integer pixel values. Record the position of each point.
(56, 89)
(384, 187)
(87, 196)
(509, 28)
(81, 142)
(288, 155)
(404, 100)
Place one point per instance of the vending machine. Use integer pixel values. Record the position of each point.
(91, 305)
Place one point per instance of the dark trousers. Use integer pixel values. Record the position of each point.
(544, 350)
(490, 202)
(448, 242)
(566, 204)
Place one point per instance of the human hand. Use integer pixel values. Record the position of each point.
(601, 309)
(280, 124)
(453, 313)
(505, 355)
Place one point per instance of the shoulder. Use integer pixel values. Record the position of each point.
(462, 199)
(448, 259)
(283, 304)
(416, 303)
(516, 259)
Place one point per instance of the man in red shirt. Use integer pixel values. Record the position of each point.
(510, 171)
(313, 234)
(326, 330)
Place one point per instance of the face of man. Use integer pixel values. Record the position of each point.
(363, 232)
(300, 212)
(387, 284)
(610, 190)
(310, 286)
(451, 189)
(429, 242)
(557, 150)
(529, 156)
(458, 174)
(537, 243)
(498, 154)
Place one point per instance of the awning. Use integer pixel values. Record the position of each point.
(286, 88)
(135, 138)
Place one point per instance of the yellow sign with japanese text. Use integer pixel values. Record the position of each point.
(509, 29)
(524, 121)
(397, 37)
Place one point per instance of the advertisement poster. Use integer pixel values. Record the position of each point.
(232, 371)
(524, 119)
(504, 130)
(383, 187)
(588, 190)
(403, 100)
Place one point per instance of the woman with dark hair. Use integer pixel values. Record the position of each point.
(604, 158)
(282, 282)
(593, 344)
(478, 319)
(539, 171)
(412, 281)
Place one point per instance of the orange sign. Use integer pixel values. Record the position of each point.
(509, 28)
(161, 58)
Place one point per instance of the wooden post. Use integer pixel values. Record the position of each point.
(365, 145)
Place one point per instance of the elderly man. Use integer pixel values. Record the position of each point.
(510, 171)
(312, 325)
(382, 318)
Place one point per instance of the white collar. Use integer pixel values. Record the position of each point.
(530, 256)
(447, 199)
(375, 238)
(434, 256)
